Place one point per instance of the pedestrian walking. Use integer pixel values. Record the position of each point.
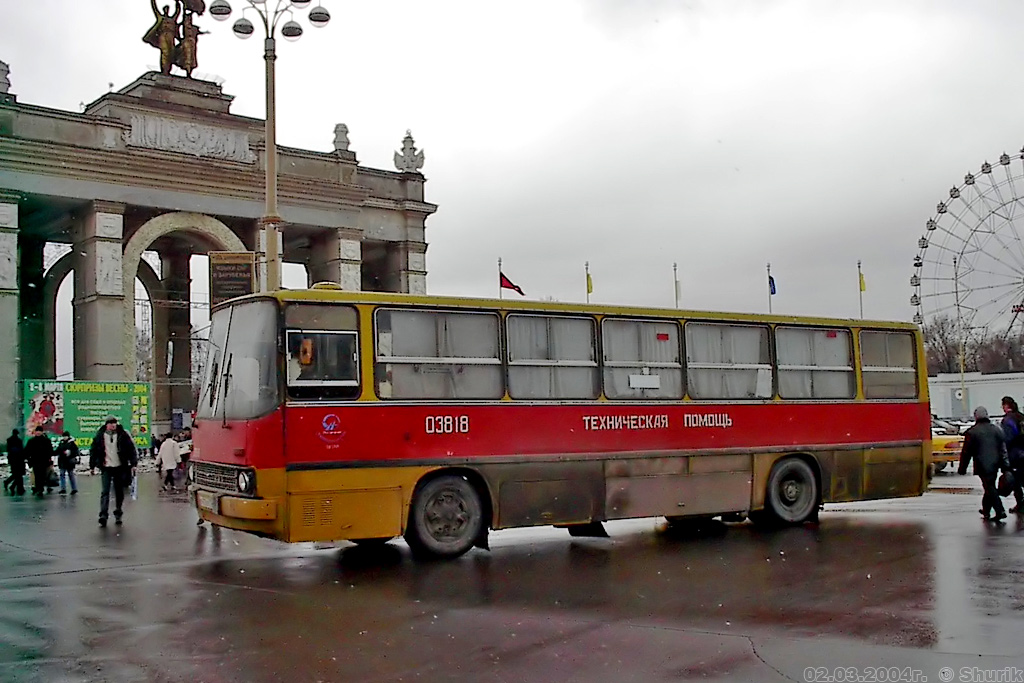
(39, 456)
(67, 460)
(1013, 429)
(169, 460)
(16, 459)
(113, 453)
(985, 444)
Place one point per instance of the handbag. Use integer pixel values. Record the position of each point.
(52, 480)
(1006, 484)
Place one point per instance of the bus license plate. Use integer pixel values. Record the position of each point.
(206, 501)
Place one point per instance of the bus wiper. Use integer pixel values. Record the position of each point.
(224, 394)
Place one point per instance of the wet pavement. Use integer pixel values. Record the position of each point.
(916, 584)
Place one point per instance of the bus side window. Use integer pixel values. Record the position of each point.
(321, 352)
(319, 356)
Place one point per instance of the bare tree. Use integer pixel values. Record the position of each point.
(941, 345)
(984, 350)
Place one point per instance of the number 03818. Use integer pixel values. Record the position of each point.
(446, 424)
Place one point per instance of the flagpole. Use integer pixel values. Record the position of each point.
(500, 296)
(675, 281)
(769, 288)
(586, 268)
(860, 288)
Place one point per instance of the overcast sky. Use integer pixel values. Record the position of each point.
(628, 133)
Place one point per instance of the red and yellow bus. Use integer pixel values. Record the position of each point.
(328, 415)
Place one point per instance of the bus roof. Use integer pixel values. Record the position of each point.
(330, 295)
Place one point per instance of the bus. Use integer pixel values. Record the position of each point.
(328, 415)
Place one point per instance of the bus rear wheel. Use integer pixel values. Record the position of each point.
(445, 518)
(792, 494)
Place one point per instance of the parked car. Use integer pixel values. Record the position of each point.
(943, 427)
(945, 449)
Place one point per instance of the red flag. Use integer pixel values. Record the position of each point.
(505, 283)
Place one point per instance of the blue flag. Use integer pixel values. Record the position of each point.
(771, 285)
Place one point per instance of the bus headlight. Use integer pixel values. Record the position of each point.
(246, 481)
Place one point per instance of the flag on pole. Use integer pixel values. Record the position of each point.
(863, 285)
(771, 285)
(590, 284)
(505, 283)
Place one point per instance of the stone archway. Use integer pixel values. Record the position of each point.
(206, 227)
(52, 281)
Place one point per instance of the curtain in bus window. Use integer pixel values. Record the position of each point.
(444, 355)
(814, 363)
(641, 359)
(727, 361)
(551, 357)
(887, 364)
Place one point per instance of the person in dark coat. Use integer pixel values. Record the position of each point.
(1013, 430)
(985, 444)
(39, 455)
(16, 459)
(113, 454)
(67, 459)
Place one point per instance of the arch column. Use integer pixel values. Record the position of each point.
(9, 408)
(175, 336)
(99, 288)
(336, 256)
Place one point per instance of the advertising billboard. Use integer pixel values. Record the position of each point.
(81, 408)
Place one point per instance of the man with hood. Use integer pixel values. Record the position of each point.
(986, 445)
(39, 455)
(113, 454)
(16, 459)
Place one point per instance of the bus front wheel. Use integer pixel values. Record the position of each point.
(445, 518)
(792, 494)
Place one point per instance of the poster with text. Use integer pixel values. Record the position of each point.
(81, 408)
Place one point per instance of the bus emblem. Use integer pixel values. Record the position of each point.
(330, 433)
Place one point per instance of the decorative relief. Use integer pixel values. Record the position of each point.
(186, 137)
(351, 250)
(108, 269)
(351, 279)
(417, 261)
(9, 216)
(8, 260)
(417, 283)
(109, 225)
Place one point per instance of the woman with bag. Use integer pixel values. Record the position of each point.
(1013, 431)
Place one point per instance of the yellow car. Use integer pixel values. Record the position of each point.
(945, 449)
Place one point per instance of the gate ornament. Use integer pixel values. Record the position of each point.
(409, 160)
(178, 41)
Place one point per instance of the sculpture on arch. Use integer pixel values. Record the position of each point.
(178, 41)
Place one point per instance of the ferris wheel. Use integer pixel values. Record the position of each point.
(970, 261)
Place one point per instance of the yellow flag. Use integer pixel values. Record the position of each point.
(863, 285)
(590, 284)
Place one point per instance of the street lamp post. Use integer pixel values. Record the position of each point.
(292, 30)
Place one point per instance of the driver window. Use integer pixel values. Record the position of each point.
(322, 351)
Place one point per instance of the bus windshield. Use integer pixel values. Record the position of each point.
(240, 378)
